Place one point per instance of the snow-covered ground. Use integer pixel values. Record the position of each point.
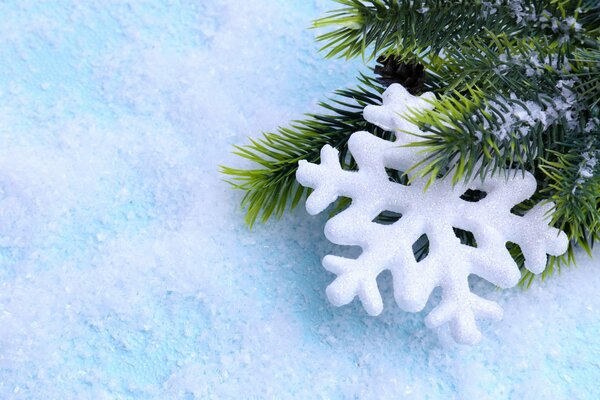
(126, 270)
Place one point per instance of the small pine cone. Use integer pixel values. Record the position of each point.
(393, 70)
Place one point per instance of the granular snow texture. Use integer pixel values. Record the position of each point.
(126, 270)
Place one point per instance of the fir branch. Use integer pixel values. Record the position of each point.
(498, 64)
(591, 19)
(512, 123)
(573, 184)
(588, 65)
(404, 28)
(421, 29)
(479, 135)
(518, 86)
(272, 187)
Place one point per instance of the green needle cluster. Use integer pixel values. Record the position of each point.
(517, 85)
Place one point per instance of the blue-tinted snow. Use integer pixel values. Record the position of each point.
(126, 270)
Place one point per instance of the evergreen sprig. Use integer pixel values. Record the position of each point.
(272, 188)
(421, 29)
(589, 74)
(517, 85)
(573, 184)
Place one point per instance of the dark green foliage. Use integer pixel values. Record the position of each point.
(517, 84)
(589, 75)
(421, 29)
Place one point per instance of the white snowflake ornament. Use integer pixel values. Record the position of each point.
(434, 212)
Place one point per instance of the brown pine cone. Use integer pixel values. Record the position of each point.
(393, 70)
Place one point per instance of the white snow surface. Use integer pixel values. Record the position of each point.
(126, 270)
(434, 212)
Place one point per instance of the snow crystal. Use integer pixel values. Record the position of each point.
(565, 105)
(572, 23)
(532, 63)
(528, 13)
(587, 167)
(523, 13)
(592, 125)
(515, 118)
(518, 117)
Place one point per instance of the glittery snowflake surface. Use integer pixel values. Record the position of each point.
(434, 212)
